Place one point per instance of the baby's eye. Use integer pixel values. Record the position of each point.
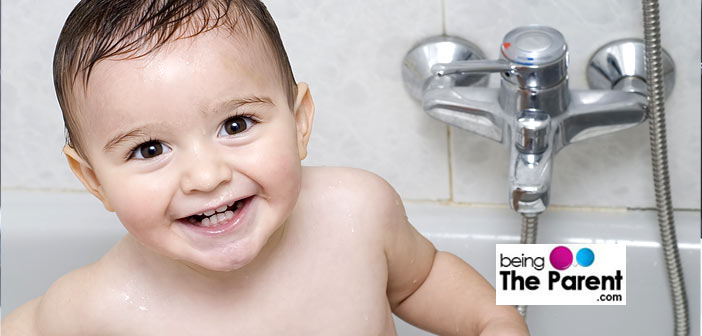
(235, 125)
(149, 150)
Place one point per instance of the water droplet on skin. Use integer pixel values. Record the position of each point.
(414, 281)
(142, 308)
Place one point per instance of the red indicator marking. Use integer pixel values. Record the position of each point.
(506, 45)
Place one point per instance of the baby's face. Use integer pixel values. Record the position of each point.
(200, 126)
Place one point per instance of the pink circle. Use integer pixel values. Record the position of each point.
(561, 258)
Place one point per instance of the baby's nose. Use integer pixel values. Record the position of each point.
(204, 170)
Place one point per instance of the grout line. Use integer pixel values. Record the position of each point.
(450, 162)
(448, 202)
(443, 17)
(586, 208)
(654, 209)
(56, 190)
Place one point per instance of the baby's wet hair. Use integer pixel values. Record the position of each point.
(128, 29)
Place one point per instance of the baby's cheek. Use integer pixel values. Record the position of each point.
(288, 172)
(134, 215)
(281, 178)
(138, 205)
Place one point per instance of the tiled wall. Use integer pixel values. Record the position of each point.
(350, 53)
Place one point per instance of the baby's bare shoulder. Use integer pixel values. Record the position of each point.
(69, 305)
(81, 302)
(347, 182)
(22, 321)
(349, 192)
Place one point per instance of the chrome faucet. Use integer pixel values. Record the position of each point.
(533, 112)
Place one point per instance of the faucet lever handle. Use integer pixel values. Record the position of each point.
(463, 67)
(532, 57)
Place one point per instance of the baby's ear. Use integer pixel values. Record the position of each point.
(81, 168)
(304, 113)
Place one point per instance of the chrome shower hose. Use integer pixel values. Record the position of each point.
(659, 158)
(529, 224)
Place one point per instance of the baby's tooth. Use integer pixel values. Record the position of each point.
(206, 222)
(230, 204)
(220, 217)
(222, 208)
(213, 220)
(239, 205)
(229, 214)
(209, 213)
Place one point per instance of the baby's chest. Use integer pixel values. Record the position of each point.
(304, 320)
(314, 309)
(323, 294)
(303, 311)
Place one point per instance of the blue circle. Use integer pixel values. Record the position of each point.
(585, 257)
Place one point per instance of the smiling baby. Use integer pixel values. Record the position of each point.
(185, 120)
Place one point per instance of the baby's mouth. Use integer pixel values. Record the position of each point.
(212, 218)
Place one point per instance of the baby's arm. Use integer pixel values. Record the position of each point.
(455, 300)
(437, 291)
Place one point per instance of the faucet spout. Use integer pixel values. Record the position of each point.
(530, 181)
(531, 157)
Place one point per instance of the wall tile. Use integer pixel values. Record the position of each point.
(612, 170)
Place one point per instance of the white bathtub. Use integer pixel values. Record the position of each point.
(45, 234)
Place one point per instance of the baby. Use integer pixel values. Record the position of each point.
(184, 119)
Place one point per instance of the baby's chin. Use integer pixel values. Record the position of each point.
(228, 258)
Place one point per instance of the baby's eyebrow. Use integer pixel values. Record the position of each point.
(119, 138)
(235, 103)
